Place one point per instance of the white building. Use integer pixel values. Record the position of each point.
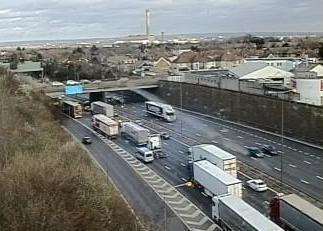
(310, 91)
(283, 63)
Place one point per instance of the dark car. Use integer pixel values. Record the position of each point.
(255, 152)
(165, 136)
(270, 150)
(86, 140)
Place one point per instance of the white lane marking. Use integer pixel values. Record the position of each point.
(181, 152)
(240, 137)
(183, 165)
(215, 142)
(268, 156)
(224, 131)
(166, 144)
(306, 153)
(280, 151)
(183, 179)
(305, 182)
(266, 202)
(318, 157)
(197, 134)
(307, 162)
(295, 150)
(300, 151)
(319, 177)
(277, 169)
(258, 143)
(291, 165)
(168, 168)
(204, 194)
(253, 158)
(225, 138)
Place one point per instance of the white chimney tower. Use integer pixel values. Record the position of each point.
(148, 24)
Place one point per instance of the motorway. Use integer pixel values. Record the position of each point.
(174, 170)
(302, 164)
(145, 202)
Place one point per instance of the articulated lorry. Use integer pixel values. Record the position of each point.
(233, 214)
(73, 109)
(214, 180)
(217, 156)
(102, 108)
(294, 213)
(105, 125)
(138, 134)
(161, 110)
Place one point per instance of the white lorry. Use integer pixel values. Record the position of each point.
(222, 159)
(99, 107)
(214, 180)
(105, 125)
(232, 213)
(161, 110)
(138, 134)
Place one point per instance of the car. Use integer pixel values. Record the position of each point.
(257, 185)
(85, 81)
(255, 152)
(270, 150)
(97, 81)
(86, 140)
(165, 136)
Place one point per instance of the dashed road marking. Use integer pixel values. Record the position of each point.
(168, 168)
(204, 194)
(183, 165)
(277, 169)
(307, 162)
(183, 179)
(197, 134)
(181, 152)
(305, 182)
(291, 165)
(280, 151)
(240, 137)
(319, 177)
(225, 138)
(214, 141)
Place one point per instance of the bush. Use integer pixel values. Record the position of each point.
(47, 182)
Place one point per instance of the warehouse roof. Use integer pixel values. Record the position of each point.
(247, 68)
(268, 72)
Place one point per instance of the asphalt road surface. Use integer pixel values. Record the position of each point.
(140, 196)
(301, 164)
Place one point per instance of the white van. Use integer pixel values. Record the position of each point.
(145, 154)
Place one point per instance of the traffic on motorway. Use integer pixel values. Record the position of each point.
(217, 157)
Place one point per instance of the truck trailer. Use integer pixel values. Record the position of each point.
(136, 133)
(232, 213)
(99, 107)
(222, 159)
(214, 180)
(73, 109)
(161, 110)
(294, 213)
(105, 125)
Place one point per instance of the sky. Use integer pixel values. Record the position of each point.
(22, 20)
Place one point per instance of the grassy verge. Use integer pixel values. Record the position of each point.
(47, 182)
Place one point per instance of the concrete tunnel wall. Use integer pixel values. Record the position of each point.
(301, 121)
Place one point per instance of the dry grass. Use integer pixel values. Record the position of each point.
(46, 180)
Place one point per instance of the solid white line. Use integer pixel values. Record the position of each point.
(307, 162)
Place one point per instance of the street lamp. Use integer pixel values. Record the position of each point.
(282, 134)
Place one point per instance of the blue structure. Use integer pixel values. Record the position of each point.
(74, 89)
